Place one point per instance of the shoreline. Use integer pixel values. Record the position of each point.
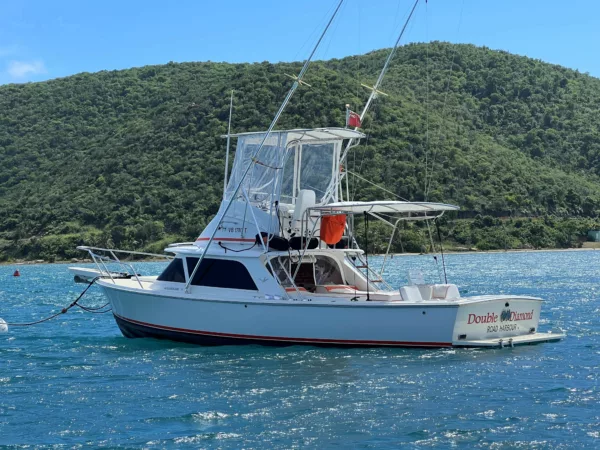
(82, 261)
(513, 250)
(449, 252)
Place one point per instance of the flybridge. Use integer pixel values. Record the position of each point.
(290, 161)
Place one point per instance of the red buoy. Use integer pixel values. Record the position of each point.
(17, 273)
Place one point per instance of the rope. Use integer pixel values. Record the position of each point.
(427, 70)
(441, 250)
(329, 38)
(62, 311)
(236, 251)
(367, 251)
(443, 110)
(358, 52)
(256, 161)
(95, 310)
(437, 264)
(364, 147)
(377, 185)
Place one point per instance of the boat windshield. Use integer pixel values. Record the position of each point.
(283, 168)
(316, 168)
(309, 167)
(262, 183)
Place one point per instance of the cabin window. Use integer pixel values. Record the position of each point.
(316, 271)
(278, 267)
(173, 272)
(305, 277)
(327, 271)
(221, 273)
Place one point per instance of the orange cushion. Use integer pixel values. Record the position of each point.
(340, 288)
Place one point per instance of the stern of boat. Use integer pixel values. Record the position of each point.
(494, 321)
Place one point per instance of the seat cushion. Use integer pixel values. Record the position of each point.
(336, 289)
(426, 291)
(411, 293)
(444, 291)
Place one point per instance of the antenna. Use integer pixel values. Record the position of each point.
(228, 142)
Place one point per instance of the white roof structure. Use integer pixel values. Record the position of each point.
(311, 134)
(389, 207)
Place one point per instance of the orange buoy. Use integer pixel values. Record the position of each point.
(17, 273)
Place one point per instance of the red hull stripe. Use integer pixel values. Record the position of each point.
(226, 239)
(288, 339)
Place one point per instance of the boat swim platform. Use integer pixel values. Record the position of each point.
(525, 339)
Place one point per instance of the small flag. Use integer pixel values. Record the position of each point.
(352, 118)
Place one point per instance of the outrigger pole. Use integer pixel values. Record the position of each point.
(228, 141)
(297, 82)
(375, 88)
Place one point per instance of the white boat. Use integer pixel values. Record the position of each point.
(279, 265)
(250, 288)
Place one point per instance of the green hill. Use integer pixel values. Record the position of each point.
(134, 158)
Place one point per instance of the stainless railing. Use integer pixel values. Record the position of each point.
(110, 257)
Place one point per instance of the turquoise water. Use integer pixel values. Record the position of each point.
(75, 381)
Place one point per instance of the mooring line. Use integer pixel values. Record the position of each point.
(64, 310)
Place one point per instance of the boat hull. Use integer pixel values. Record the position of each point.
(144, 313)
(134, 329)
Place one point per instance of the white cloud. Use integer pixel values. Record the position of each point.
(21, 69)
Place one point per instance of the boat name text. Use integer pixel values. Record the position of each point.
(506, 316)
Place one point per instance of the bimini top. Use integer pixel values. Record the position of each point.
(314, 134)
(385, 206)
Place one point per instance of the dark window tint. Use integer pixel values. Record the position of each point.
(173, 272)
(305, 276)
(221, 273)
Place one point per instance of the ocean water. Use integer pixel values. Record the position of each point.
(76, 382)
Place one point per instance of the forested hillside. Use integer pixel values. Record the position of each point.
(134, 158)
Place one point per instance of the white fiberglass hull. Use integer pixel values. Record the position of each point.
(322, 321)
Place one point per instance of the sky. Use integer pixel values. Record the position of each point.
(41, 39)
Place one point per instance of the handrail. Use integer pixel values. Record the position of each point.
(113, 258)
(131, 252)
(372, 272)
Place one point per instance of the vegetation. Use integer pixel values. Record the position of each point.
(134, 158)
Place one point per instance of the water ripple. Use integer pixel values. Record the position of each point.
(76, 382)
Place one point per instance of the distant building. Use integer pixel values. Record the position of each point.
(594, 235)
